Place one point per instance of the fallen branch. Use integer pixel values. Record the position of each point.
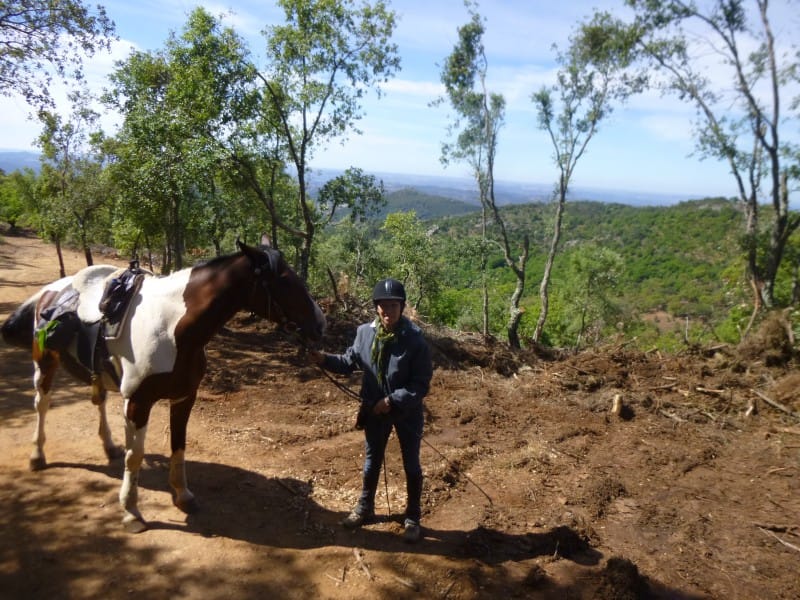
(792, 430)
(360, 563)
(784, 542)
(775, 404)
(708, 391)
(672, 416)
(409, 584)
(668, 386)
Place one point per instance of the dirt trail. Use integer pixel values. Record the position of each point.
(682, 496)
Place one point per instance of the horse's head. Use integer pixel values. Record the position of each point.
(280, 295)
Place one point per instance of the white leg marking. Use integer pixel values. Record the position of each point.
(129, 492)
(41, 403)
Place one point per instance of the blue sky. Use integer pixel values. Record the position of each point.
(644, 146)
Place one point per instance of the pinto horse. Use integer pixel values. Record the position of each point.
(159, 351)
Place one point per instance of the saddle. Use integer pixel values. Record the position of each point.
(60, 324)
(116, 299)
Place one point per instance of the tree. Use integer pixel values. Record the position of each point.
(741, 123)
(321, 62)
(73, 176)
(40, 40)
(593, 272)
(180, 106)
(480, 115)
(411, 257)
(12, 196)
(592, 75)
(355, 191)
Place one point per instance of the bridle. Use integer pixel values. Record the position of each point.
(262, 273)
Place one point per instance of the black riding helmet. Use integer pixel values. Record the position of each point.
(389, 289)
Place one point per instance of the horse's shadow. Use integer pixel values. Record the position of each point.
(243, 505)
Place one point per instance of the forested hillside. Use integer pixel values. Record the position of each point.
(674, 266)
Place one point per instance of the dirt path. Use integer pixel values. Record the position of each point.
(685, 497)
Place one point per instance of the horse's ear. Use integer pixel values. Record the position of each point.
(265, 241)
(257, 256)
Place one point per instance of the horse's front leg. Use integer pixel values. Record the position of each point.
(179, 412)
(45, 367)
(136, 418)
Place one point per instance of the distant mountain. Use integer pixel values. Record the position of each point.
(426, 206)
(17, 160)
(507, 192)
(460, 189)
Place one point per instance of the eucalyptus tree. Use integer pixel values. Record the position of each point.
(320, 63)
(40, 41)
(593, 73)
(742, 114)
(479, 117)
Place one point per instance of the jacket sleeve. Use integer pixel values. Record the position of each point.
(409, 394)
(350, 360)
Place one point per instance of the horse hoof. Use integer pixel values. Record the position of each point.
(189, 506)
(37, 464)
(115, 452)
(134, 525)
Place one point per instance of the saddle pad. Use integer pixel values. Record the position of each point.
(90, 283)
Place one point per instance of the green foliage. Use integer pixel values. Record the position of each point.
(43, 39)
(426, 206)
(320, 63)
(15, 194)
(178, 105)
(683, 259)
(354, 191)
(411, 257)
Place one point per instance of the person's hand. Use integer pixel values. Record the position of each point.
(382, 407)
(316, 357)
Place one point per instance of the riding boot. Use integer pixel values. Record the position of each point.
(366, 503)
(414, 498)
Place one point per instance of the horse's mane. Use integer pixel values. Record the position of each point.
(213, 262)
(272, 255)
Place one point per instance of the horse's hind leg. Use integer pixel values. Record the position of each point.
(44, 373)
(179, 411)
(112, 451)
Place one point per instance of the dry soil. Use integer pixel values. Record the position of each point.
(534, 487)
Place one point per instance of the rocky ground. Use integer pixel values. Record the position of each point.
(611, 473)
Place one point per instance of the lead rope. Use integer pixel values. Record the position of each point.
(350, 392)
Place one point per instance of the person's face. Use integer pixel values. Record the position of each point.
(389, 312)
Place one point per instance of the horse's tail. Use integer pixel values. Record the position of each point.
(18, 328)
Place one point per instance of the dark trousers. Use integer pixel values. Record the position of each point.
(409, 434)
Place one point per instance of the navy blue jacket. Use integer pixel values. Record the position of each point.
(408, 374)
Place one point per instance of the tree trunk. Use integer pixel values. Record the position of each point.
(548, 267)
(484, 277)
(61, 269)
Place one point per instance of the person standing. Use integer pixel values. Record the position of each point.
(395, 360)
